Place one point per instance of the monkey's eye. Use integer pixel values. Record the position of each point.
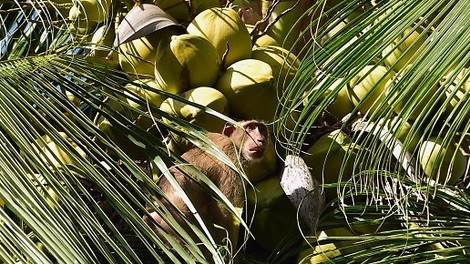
(249, 127)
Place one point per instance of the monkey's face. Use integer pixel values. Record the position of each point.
(255, 140)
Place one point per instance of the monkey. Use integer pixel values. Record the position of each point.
(245, 145)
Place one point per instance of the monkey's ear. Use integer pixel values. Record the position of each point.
(228, 129)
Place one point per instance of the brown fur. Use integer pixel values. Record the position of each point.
(238, 144)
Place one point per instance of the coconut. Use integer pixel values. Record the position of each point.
(275, 218)
(367, 87)
(153, 98)
(457, 93)
(86, 14)
(178, 9)
(409, 45)
(138, 56)
(224, 29)
(205, 97)
(81, 25)
(189, 61)
(102, 41)
(249, 87)
(283, 63)
(341, 105)
(53, 154)
(120, 138)
(264, 40)
(396, 90)
(444, 163)
(331, 158)
(319, 253)
(286, 28)
(402, 130)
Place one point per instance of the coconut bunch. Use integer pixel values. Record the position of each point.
(390, 85)
(373, 108)
(209, 61)
(195, 63)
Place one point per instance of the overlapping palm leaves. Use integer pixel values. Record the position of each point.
(388, 177)
(98, 199)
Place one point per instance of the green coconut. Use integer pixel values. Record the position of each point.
(205, 97)
(263, 41)
(443, 163)
(80, 25)
(275, 218)
(367, 88)
(283, 63)
(54, 154)
(341, 105)
(102, 40)
(249, 87)
(395, 91)
(286, 28)
(331, 158)
(86, 14)
(457, 93)
(223, 28)
(409, 45)
(178, 9)
(138, 88)
(189, 61)
(120, 138)
(401, 129)
(139, 55)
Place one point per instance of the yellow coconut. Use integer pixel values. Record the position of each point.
(121, 138)
(264, 40)
(396, 90)
(80, 25)
(283, 63)
(409, 45)
(443, 163)
(249, 87)
(341, 105)
(275, 218)
(75, 100)
(178, 9)
(189, 61)
(225, 30)
(204, 96)
(86, 14)
(318, 253)
(401, 129)
(102, 41)
(62, 7)
(457, 92)
(138, 56)
(367, 87)
(138, 87)
(331, 159)
(53, 154)
(286, 28)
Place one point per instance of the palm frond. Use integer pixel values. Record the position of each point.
(356, 51)
(54, 148)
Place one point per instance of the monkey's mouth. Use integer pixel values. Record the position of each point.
(256, 152)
